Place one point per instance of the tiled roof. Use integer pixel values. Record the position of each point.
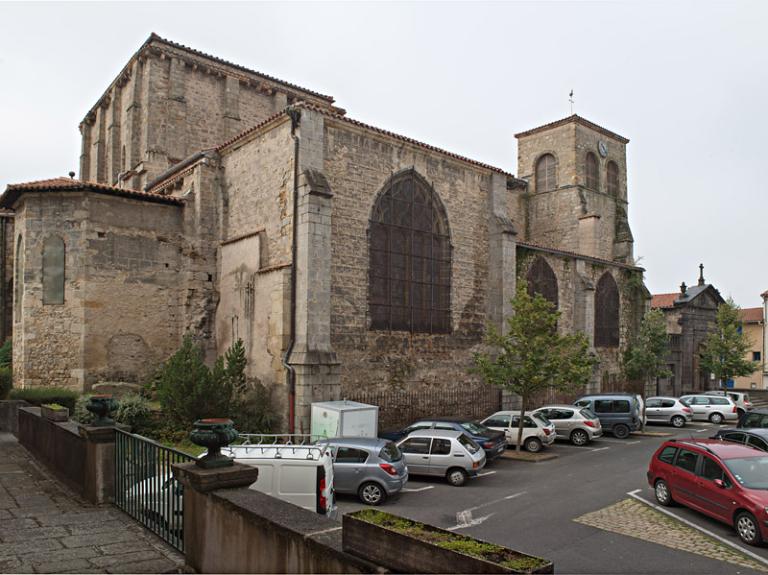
(13, 191)
(577, 119)
(664, 300)
(752, 315)
(533, 246)
(345, 119)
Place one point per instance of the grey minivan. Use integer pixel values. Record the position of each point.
(619, 413)
(369, 467)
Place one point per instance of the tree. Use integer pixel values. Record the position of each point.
(645, 358)
(531, 356)
(724, 350)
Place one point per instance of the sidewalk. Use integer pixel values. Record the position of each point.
(45, 528)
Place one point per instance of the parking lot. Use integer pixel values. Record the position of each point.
(580, 510)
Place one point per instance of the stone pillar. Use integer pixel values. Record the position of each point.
(99, 483)
(198, 484)
(589, 235)
(502, 254)
(85, 150)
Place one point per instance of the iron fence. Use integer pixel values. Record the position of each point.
(145, 487)
(400, 408)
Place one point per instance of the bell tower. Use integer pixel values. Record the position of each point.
(577, 188)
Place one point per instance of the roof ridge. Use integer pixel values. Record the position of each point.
(573, 118)
(61, 183)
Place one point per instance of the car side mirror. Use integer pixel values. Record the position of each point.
(720, 483)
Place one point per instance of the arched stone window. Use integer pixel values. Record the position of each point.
(607, 312)
(546, 179)
(410, 258)
(612, 178)
(593, 179)
(18, 278)
(542, 280)
(53, 270)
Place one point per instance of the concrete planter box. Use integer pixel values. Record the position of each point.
(54, 414)
(412, 547)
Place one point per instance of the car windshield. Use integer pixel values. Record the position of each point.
(751, 472)
(471, 446)
(588, 414)
(541, 418)
(390, 452)
(475, 428)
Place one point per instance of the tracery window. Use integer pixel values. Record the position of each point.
(546, 173)
(542, 280)
(410, 258)
(53, 270)
(612, 178)
(606, 312)
(593, 179)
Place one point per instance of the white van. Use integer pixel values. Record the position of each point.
(291, 468)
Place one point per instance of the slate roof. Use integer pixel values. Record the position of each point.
(669, 300)
(14, 191)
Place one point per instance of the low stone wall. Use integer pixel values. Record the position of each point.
(58, 445)
(9, 417)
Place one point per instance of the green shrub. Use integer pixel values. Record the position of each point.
(6, 353)
(80, 413)
(253, 413)
(6, 382)
(133, 410)
(41, 395)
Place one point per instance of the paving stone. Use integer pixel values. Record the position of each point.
(123, 558)
(16, 524)
(11, 536)
(5, 515)
(68, 566)
(154, 566)
(24, 547)
(97, 539)
(62, 555)
(9, 564)
(86, 528)
(124, 547)
(76, 518)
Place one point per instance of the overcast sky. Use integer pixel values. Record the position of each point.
(686, 82)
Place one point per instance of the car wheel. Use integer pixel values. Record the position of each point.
(371, 493)
(716, 418)
(663, 495)
(620, 431)
(532, 444)
(748, 528)
(579, 437)
(456, 477)
(678, 421)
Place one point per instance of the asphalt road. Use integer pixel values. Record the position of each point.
(530, 507)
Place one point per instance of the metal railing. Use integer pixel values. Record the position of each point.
(145, 487)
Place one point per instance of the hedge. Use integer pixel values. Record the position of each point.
(40, 395)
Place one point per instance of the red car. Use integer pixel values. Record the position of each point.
(726, 481)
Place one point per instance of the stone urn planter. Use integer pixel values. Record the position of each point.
(54, 412)
(214, 434)
(421, 548)
(102, 406)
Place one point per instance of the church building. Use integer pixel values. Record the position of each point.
(216, 201)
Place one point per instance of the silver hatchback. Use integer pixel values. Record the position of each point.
(369, 467)
(668, 410)
(442, 453)
(579, 425)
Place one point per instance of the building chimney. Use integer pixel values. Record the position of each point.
(701, 274)
(683, 289)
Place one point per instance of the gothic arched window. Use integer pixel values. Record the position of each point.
(612, 177)
(18, 278)
(607, 312)
(593, 179)
(542, 280)
(546, 173)
(410, 258)
(53, 270)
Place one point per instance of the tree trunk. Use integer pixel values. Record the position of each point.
(523, 405)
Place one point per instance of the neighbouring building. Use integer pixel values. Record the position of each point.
(691, 315)
(217, 201)
(753, 328)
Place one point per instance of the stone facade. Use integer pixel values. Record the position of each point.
(267, 238)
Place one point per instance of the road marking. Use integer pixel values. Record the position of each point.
(467, 520)
(739, 548)
(701, 430)
(621, 441)
(322, 531)
(484, 473)
(416, 490)
(600, 449)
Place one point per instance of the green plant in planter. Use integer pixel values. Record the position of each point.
(133, 410)
(54, 406)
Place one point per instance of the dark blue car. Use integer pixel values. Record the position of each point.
(493, 442)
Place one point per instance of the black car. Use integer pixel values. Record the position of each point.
(757, 438)
(755, 419)
(493, 442)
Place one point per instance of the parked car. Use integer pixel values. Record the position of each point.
(714, 408)
(371, 468)
(668, 410)
(538, 431)
(492, 441)
(442, 453)
(756, 418)
(619, 413)
(725, 481)
(757, 438)
(741, 399)
(577, 425)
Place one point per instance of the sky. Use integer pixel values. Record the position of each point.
(686, 82)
